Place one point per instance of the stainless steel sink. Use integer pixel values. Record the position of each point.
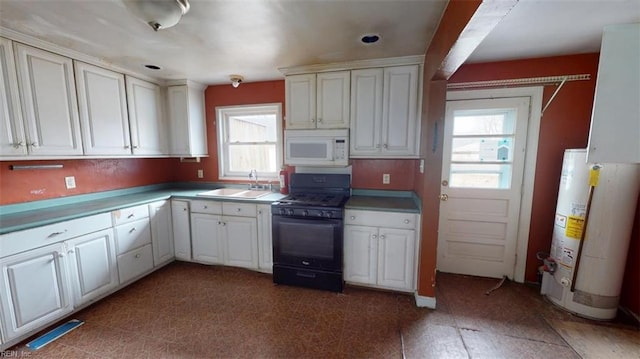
(234, 193)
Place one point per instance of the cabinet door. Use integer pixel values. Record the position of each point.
(360, 254)
(333, 99)
(92, 264)
(205, 238)
(366, 112)
(396, 251)
(34, 289)
(265, 246)
(145, 117)
(12, 139)
(400, 111)
(103, 110)
(240, 241)
(300, 101)
(188, 135)
(615, 121)
(161, 232)
(49, 102)
(181, 230)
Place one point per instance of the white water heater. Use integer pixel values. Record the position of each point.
(598, 281)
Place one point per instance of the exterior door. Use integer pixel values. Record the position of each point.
(482, 175)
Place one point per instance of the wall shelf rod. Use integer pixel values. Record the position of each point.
(33, 167)
(546, 80)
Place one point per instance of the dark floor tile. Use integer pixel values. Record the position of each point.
(493, 346)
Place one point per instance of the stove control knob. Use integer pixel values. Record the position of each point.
(305, 213)
(290, 212)
(327, 214)
(282, 211)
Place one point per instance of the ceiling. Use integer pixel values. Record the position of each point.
(254, 38)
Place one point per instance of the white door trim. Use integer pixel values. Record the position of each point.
(533, 132)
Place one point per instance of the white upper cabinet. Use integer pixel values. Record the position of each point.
(50, 108)
(188, 129)
(146, 119)
(12, 139)
(317, 101)
(366, 111)
(394, 132)
(615, 121)
(103, 110)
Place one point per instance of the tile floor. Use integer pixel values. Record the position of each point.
(194, 311)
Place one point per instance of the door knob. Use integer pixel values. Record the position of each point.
(443, 197)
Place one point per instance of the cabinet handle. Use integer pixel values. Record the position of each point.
(56, 234)
(353, 217)
(60, 254)
(378, 145)
(374, 236)
(132, 230)
(131, 215)
(313, 120)
(259, 211)
(135, 146)
(238, 209)
(184, 209)
(137, 255)
(70, 251)
(224, 223)
(382, 236)
(205, 207)
(319, 120)
(33, 144)
(406, 221)
(19, 144)
(127, 146)
(384, 146)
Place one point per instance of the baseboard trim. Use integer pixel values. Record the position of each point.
(425, 302)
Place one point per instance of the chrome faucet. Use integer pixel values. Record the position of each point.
(254, 174)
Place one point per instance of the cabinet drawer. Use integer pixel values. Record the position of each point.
(130, 214)
(209, 207)
(239, 209)
(381, 219)
(133, 235)
(135, 263)
(20, 241)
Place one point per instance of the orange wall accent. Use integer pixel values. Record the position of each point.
(455, 18)
(367, 174)
(91, 176)
(225, 95)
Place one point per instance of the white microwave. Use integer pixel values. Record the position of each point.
(316, 147)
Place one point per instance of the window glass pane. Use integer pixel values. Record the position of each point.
(479, 123)
(244, 158)
(482, 149)
(480, 175)
(252, 128)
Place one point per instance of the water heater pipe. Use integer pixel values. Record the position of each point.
(592, 186)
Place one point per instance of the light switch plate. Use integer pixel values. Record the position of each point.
(70, 182)
(200, 173)
(386, 178)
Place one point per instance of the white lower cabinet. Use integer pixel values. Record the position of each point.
(92, 265)
(161, 232)
(133, 242)
(376, 253)
(135, 263)
(181, 229)
(205, 238)
(265, 246)
(35, 289)
(225, 233)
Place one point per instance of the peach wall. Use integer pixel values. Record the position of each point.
(367, 174)
(91, 176)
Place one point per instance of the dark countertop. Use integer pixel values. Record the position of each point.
(11, 221)
(386, 201)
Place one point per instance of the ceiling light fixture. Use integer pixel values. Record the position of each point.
(160, 14)
(236, 80)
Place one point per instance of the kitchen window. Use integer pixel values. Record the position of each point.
(249, 137)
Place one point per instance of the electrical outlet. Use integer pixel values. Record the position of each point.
(422, 166)
(200, 173)
(386, 178)
(70, 182)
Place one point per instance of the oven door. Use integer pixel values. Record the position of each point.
(307, 243)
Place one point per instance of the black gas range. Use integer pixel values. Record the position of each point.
(308, 231)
